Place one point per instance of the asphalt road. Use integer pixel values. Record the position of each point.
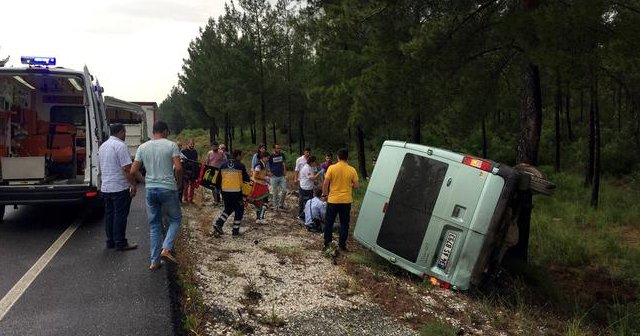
(85, 289)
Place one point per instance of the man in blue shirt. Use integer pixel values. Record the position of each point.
(159, 156)
(277, 162)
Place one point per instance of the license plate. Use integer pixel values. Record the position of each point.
(443, 261)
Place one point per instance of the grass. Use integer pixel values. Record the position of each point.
(284, 251)
(193, 306)
(438, 328)
(591, 256)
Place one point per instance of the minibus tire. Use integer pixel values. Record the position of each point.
(2, 212)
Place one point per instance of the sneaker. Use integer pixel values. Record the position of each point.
(155, 266)
(168, 256)
(343, 249)
(217, 230)
(235, 232)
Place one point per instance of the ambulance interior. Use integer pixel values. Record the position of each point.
(43, 122)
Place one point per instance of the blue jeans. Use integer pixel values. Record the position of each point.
(279, 189)
(116, 211)
(159, 199)
(344, 211)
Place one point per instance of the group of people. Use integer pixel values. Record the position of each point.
(325, 190)
(326, 193)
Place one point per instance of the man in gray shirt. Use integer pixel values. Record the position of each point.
(118, 187)
(160, 156)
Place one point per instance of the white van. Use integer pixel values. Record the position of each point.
(52, 121)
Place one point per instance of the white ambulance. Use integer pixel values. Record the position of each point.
(52, 121)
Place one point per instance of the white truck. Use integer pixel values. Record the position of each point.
(52, 121)
(151, 110)
(134, 119)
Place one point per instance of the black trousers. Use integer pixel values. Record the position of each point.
(233, 203)
(333, 210)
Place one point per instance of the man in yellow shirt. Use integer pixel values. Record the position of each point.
(339, 182)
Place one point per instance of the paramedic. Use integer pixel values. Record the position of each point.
(232, 175)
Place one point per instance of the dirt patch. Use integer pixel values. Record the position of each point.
(275, 280)
(630, 236)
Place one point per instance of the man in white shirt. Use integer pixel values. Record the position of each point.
(118, 187)
(308, 176)
(300, 162)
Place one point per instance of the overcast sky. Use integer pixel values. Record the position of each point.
(134, 47)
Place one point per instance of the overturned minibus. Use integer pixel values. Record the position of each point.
(52, 121)
(441, 214)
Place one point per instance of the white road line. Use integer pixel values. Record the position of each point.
(23, 284)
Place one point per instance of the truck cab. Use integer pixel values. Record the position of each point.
(52, 121)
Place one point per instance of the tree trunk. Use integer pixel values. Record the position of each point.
(567, 112)
(301, 130)
(581, 106)
(241, 132)
(273, 129)
(595, 191)
(362, 162)
(212, 134)
(289, 110)
(530, 117)
(226, 128)
(484, 137)
(619, 108)
(558, 103)
(530, 126)
(588, 178)
(254, 135)
(416, 125)
(231, 138)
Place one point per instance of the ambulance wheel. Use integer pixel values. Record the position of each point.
(2, 212)
(537, 181)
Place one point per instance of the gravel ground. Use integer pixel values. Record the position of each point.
(274, 279)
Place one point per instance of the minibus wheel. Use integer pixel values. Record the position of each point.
(2, 212)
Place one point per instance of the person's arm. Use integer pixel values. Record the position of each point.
(178, 169)
(354, 181)
(135, 168)
(131, 178)
(297, 171)
(245, 175)
(325, 187)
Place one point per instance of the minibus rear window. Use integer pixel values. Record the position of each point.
(411, 204)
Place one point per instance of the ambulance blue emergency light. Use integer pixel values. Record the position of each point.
(36, 60)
